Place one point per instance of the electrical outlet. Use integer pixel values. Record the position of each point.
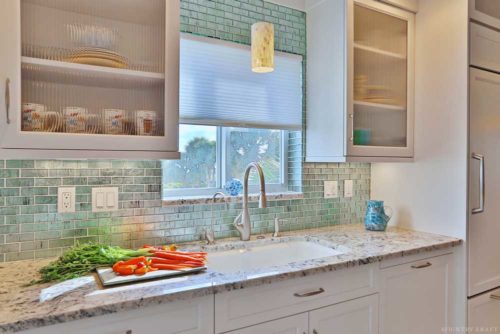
(104, 199)
(66, 199)
(348, 188)
(330, 189)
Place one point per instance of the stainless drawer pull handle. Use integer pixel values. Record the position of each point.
(310, 293)
(496, 297)
(7, 99)
(423, 265)
(482, 192)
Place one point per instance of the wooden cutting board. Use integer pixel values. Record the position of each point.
(109, 278)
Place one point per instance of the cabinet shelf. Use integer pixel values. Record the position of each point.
(379, 106)
(379, 51)
(96, 72)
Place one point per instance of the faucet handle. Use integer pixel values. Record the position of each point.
(210, 236)
(277, 223)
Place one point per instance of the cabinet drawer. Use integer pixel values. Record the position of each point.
(246, 307)
(180, 317)
(296, 324)
(484, 47)
(484, 311)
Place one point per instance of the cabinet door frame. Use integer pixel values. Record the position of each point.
(371, 301)
(479, 16)
(380, 151)
(416, 266)
(14, 138)
(299, 321)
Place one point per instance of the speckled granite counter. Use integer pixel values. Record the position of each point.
(23, 307)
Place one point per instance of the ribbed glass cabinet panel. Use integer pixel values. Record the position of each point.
(93, 67)
(380, 79)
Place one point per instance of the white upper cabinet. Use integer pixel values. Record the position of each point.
(360, 82)
(411, 5)
(94, 78)
(485, 11)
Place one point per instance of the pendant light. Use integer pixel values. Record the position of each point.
(262, 47)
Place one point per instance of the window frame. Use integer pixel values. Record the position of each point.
(222, 138)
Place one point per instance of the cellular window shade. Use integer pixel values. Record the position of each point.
(218, 87)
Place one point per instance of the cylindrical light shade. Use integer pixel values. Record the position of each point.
(262, 47)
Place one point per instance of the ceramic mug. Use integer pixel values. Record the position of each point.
(113, 121)
(30, 113)
(48, 121)
(75, 119)
(145, 121)
(36, 118)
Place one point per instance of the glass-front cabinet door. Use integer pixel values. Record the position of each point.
(93, 75)
(380, 80)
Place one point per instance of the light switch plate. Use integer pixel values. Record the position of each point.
(330, 189)
(66, 200)
(104, 199)
(348, 188)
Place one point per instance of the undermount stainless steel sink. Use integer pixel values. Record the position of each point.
(257, 255)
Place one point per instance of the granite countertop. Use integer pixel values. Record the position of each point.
(23, 307)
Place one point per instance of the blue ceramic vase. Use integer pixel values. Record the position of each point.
(234, 187)
(376, 219)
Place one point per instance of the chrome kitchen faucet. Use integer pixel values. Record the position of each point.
(242, 222)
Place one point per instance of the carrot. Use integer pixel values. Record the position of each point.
(160, 260)
(180, 252)
(167, 266)
(175, 256)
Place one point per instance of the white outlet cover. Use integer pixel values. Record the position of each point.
(348, 188)
(66, 200)
(330, 189)
(104, 199)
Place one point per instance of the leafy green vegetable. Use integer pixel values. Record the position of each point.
(83, 259)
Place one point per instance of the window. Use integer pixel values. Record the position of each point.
(231, 116)
(211, 156)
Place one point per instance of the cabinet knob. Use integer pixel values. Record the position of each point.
(315, 331)
(128, 332)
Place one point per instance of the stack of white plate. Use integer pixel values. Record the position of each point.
(98, 57)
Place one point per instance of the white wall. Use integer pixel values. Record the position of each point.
(430, 194)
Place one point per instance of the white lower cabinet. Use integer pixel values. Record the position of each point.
(194, 316)
(415, 297)
(410, 295)
(298, 324)
(358, 316)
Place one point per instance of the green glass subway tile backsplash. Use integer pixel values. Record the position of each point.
(30, 226)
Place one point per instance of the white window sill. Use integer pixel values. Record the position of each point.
(193, 200)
